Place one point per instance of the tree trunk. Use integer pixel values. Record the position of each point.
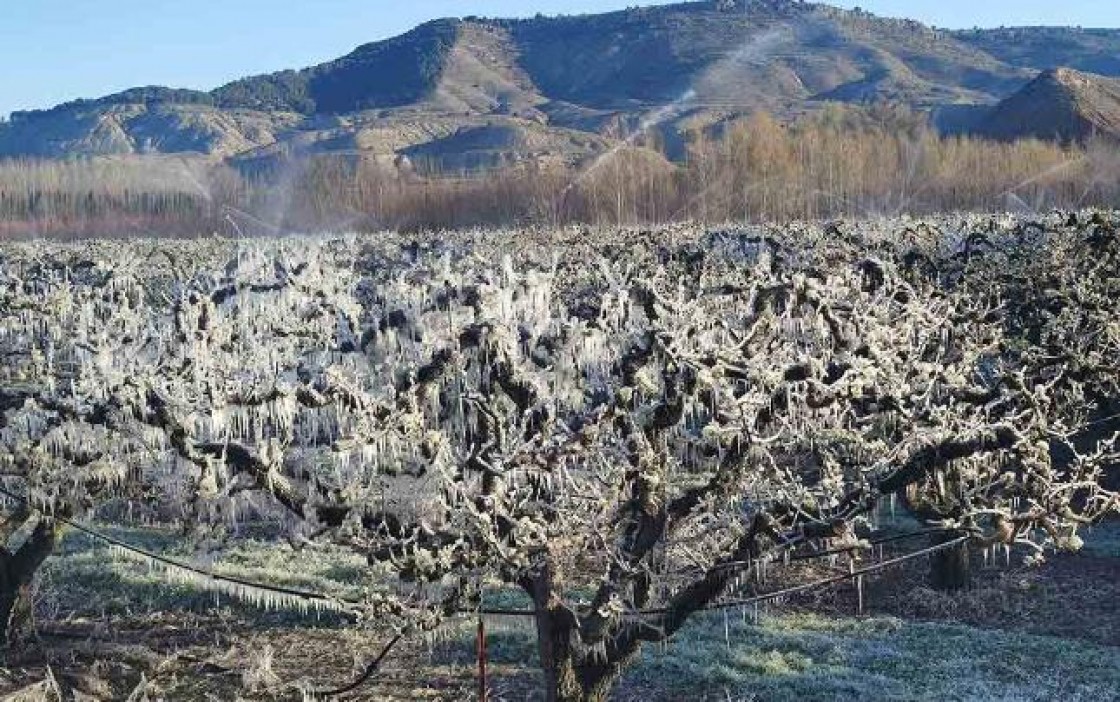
(9, 596)
(17, 572)
(570, 677)
(554, 643)
(950, 568)
(599, 680)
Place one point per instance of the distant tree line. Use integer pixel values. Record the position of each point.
(837, 163)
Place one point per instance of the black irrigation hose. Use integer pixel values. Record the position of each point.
(370, 671)
(516, 612)
(876, 542)
(171, 563)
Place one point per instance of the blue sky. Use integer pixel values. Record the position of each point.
(56, 50)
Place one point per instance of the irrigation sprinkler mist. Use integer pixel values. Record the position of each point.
(756, 49)
(654, 119)
(202, 188)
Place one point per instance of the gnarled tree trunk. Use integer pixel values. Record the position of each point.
(950, 568)
(555, 627)
(569, 675)
(17, 572)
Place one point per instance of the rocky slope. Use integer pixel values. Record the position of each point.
(1061, 104)
(470, 93)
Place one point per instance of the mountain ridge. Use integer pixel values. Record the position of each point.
(530, 87)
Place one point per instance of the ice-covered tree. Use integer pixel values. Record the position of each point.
(622, 426)
(70, 332)
(621, 429)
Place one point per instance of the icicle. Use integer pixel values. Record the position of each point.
(726, 631)
(859, 591)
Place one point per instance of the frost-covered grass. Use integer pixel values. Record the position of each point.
(781, 656)
(1103, 539)
(804, 657)
(809, 657)
(87, 577)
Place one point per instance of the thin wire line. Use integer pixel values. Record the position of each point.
(730, 604)
(733, 565)
(291, 592)
(1102, 420)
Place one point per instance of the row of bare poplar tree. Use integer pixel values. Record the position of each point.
(839, 162)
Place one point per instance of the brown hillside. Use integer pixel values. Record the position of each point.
(1061, 104)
